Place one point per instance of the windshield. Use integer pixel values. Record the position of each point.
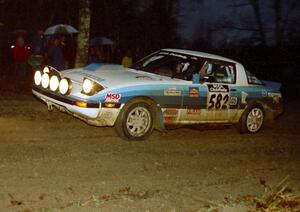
(170, 64)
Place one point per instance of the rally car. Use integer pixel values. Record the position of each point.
(168, 87)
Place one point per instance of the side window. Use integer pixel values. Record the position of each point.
(186, 69)
(218, 72)
(253, 79)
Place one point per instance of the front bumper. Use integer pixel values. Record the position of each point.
(93, 113)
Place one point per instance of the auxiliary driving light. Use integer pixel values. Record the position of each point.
(37, 78)
(46, 70)
(54, 83)
(45, 80)
(64, 86)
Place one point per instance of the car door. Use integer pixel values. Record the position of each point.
(218, 98)
(211, 100)
(222, 92)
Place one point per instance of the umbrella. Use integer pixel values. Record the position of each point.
(20, 31)
(98, 41)
(60, 29)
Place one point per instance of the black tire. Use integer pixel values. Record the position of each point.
(135, 121)
(252, 120)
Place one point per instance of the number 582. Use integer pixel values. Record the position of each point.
(218, 101)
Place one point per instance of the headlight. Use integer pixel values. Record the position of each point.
(37, 77)
(87, 86)
(90, 87)
(54, 83)
(64, 86)
(45, 80)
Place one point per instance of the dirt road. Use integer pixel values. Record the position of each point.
(53, 162)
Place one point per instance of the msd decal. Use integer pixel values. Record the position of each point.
(112, 97)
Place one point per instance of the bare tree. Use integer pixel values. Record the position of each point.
(281, 20)
(260, 29)
(84, 33)
(282, 11)
(258, 19)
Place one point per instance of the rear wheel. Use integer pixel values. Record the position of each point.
(252, 120)
(135, 121)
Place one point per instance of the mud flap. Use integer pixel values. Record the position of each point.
(49, 106)
(159, 125)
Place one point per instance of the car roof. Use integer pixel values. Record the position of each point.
(201, 54)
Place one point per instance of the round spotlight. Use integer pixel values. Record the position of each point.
(64, 86)
(54, 83)
(87, 86)
(46, 70)
(45, 80)
(37, 77)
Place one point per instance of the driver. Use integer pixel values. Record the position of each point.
(180, 70)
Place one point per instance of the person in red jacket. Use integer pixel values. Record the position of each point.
(20, 54)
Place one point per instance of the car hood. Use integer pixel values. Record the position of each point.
(112, 75)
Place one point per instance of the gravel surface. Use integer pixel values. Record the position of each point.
(50, 161)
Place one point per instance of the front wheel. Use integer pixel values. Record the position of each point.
(135, 121)
(252, 120)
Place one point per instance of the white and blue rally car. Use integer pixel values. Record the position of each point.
(168, 87)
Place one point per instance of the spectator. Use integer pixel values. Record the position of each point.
(55, 54)
(38, 47)
(137, 54)
(66, 49)
(116, 55)
(95, 55)
(20, 54)
(127, 59)
(38, 43)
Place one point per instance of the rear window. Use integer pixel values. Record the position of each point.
(253, 79)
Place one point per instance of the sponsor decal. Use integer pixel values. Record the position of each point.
(171, 112)
(244, 97)
(174, 54)
(264, 93)
(218, 97)
(193, 92)
(218, 88)
(169, 119)
(275, 96)
(112, 97)
(172, 92)
(271, 94)
(144, 77)
(93, 77)
(193, 111)
(233, 100)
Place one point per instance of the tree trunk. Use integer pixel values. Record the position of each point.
(84, 33)
(278, 21)
(256, 8)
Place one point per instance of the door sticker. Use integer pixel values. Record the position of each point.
(218, 97)
(233, 100)
(193, 92)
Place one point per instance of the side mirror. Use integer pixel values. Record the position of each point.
(208, 79)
